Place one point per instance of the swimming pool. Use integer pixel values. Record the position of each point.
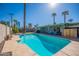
(43, 45)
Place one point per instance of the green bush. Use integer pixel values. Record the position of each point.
(15, 30)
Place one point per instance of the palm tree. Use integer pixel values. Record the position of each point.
(65, 13)
(15, 26)
(11, 21)
(18, 23)
(30, 26)
(36, 26)
(24, 17)
(70, 20)
(54, 14)
(15, 22)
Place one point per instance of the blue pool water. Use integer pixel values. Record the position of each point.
(44, 45)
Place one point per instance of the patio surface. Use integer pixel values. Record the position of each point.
(17, 49)
(72, 49)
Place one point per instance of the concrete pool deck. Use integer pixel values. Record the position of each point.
(72, 49)
(17, 49)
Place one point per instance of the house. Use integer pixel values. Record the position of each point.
(71, 31)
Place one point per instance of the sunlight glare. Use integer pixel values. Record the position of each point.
(52, 4)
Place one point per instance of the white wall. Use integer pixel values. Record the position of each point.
(3, 32)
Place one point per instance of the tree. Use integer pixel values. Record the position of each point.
(24, 17)
(15, 29)
(70, 20)
(54, 15)
(18, 25)
(36, 26)
(65, 13)
(15, 26)
(11, 21)
(15, 22)
(4, 22)
(30, 27)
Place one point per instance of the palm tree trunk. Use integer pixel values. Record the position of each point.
(10, 27)
(11, 15)
(24, 17)
(14, 26)
(64, 20)
(54, 20)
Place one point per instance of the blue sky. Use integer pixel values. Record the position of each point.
(39, 13)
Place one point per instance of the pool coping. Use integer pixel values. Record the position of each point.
(67, 46)
(49, 35)
(70, 50)
(63, 52)
(71, 39)
(13, 46)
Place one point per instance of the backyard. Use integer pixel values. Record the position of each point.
(37, 30)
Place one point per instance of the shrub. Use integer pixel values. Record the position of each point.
(15, 30)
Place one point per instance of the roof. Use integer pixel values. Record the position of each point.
(74, 26)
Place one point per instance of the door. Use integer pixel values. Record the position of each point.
(77, 32)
